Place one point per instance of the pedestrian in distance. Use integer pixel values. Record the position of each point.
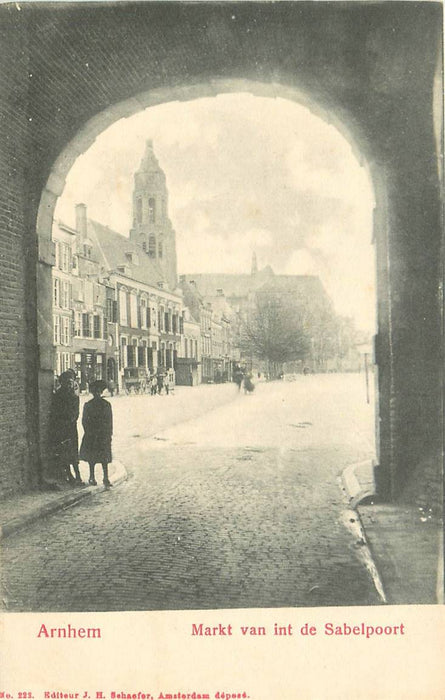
(249, 386)
(64, 415)
(167, 384)
(238, 378)
(160, 380)
(97, 421)
(154, 385)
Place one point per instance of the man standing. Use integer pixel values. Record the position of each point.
(64, 415)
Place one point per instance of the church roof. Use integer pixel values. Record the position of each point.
(240, 286)
(303, 286)
(232, 285)
(112, 249)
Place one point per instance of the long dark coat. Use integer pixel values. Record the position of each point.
(97, 421)
(64, 415)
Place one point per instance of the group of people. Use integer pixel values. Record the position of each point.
(97, 422)
(243, 379)
(158, 382)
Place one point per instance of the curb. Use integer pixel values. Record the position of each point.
(356, 491)
(61, 503)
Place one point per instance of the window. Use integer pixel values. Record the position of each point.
(144, 246)
(133, 311)
(141, 357)
(160, 249)
(66, 295)
(167, 322)
(151, 210)
(143, 309)
(56, 321)
(65, 331)
(77, 324)
(174, 323)
(66, 258)
(65, 361)
(131, 356)
(56, 291)
(139, 210)
(152, 246)
(97, 326)
(123, 307)
(186, 346)
(86, 325)
(99, 367)
(111, 311)
(181, 323)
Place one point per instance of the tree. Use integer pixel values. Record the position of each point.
(277, 330)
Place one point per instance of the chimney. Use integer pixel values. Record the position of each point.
(81, 220)
(219, 292)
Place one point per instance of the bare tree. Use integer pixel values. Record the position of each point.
(276, 331)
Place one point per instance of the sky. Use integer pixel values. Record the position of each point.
(244, 174)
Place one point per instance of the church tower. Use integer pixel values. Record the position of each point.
(152, 228)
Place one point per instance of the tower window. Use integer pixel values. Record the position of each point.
(160, 249)
(151, 210)
(152, 246)
(139, 210)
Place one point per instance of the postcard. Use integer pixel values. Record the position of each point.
(221, 240)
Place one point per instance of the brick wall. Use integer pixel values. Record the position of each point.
(17, 261)
(369, 68)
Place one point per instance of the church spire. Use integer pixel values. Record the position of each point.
(254, 269)
(152, 228)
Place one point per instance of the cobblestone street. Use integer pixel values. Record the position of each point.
(240, 507)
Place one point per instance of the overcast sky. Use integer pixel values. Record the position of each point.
(244, 173)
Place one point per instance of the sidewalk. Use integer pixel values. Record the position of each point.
(20, 511)
(405, 541)
(144, 415)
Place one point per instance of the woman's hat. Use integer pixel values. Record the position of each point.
(98, 386)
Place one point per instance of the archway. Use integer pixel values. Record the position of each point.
(92, 129)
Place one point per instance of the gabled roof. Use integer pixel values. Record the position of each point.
(232, 285)
(308, 287)
(112, 249)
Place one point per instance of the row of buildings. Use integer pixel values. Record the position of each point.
(120, 310)
(117, 303)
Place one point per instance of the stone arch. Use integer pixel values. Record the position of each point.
(371, 67)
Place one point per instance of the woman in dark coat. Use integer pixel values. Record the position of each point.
(64, 415)
(97, 421)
